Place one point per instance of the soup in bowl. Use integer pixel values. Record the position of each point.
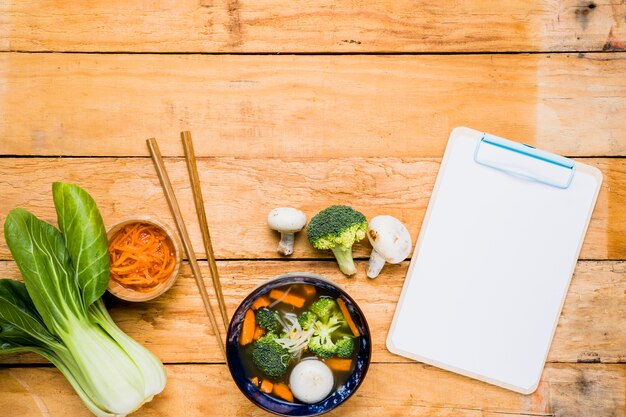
(298, 345)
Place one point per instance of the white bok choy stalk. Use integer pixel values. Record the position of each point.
(58, 313)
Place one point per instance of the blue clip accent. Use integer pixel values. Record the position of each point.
(530, 151)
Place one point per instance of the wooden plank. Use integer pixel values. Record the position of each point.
(592, 327)
(417, 390)
(290, 106)
(317, 26)
(240, 192)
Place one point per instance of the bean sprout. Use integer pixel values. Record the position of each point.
(295, 339)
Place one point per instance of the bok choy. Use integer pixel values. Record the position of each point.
(58, 312)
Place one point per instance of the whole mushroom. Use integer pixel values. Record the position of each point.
(391, 242)
(287, 221)
(311, 381)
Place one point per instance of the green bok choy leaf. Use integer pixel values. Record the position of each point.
(58, 311)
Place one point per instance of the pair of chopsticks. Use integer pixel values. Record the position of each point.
(190, 158)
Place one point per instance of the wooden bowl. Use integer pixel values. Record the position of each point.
(129, 294)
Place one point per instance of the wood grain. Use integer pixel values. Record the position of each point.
(308, 106)
(240, 192)
(315, 26)
(591, 390)
(592, 327)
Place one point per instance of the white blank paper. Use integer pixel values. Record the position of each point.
(491, 269)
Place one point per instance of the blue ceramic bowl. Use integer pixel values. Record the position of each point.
(284, 408)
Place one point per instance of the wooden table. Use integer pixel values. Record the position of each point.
(308, 104)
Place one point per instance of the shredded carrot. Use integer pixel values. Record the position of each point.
(142, 256)
(266, 386)
(247, 328)
(346, 315)
(281, 390)
(284, 297)
(342, 365)
(262, 301)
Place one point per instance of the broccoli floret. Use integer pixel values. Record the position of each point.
(335, 319)
(306, 320)
(324, 348)
(337, 228)
(323, 307)
(269, 357)
(321, 342)
(267, 319)
(345, 347)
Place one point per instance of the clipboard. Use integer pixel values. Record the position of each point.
(494, 259)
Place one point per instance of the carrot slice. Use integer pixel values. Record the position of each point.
(266, 386)
(247, 328)
(258, 332)
(308, 290)
(341, 365)
(262, 301)
(287, 298)
(346, 315)
(281, 390)
(255, 381)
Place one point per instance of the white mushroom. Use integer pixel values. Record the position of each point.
(287, 221)
(311, 381)
(391, 243)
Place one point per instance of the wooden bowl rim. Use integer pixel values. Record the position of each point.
(127, 294)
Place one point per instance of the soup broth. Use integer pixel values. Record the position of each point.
(301, 333)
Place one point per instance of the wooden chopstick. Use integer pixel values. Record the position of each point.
(155, 153)
(190, 158)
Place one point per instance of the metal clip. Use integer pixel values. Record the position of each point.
(524, 161)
